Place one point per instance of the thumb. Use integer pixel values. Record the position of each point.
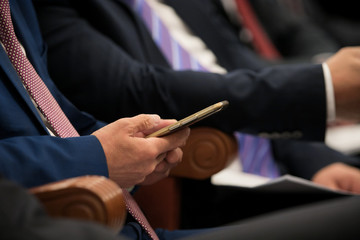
(144, 122)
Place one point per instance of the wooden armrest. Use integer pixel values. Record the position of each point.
(206, 152)
(93, 198)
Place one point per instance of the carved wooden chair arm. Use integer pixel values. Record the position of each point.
(206, 152)
(93, 198)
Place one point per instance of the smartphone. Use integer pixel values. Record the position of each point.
(185, 122)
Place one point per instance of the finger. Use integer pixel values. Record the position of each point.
(164, 168)
(161, 157)
(161, 167)
(163, 123)
(172, 159)
(155, 177)
(172, 141)
(174, 156)
(144, 122)
(327, 183)
(330, 184)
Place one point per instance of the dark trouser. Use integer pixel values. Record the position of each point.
(332, 219)
(205, 205)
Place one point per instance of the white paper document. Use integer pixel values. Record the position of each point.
(294, 184)
(232, 176)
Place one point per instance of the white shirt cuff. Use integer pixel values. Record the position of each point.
(330, 97)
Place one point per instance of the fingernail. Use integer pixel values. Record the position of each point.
(188, 132)
(156, 118)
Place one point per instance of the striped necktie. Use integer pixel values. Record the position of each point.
(175, 54)
(255, 153)
(46, 102)
(33, 83)
(261, 41)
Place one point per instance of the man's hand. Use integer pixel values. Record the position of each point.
(345, 71)
(339, 176)
(133, 159)
(163, 168)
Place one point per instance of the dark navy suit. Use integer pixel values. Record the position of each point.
(28, 154)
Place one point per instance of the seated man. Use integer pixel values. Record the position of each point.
(45, 138)
(115, 61)
(289, 36)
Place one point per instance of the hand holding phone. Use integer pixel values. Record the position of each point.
(185, 122)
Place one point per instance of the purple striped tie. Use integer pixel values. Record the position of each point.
(46, 102)
(256, 156)
(255, 153)
(172, 50)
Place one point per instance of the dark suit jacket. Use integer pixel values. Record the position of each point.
(264, 101)
(28, 154)
(208, 20)
(296, 38)
(340, 21)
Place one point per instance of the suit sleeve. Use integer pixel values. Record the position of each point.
(36, 160)
(283, 99)
(295, 36)
(304, 159)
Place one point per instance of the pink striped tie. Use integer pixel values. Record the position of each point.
(46, 102)
(31, 80)
(255, 153)
(135, 211)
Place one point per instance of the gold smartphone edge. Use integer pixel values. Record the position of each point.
(199, 116)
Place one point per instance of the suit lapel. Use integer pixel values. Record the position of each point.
(148, 52)
(8, 68)
(193, 14)
(208, 21)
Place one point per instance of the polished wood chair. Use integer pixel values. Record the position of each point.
(92, 198)
(99, 199)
